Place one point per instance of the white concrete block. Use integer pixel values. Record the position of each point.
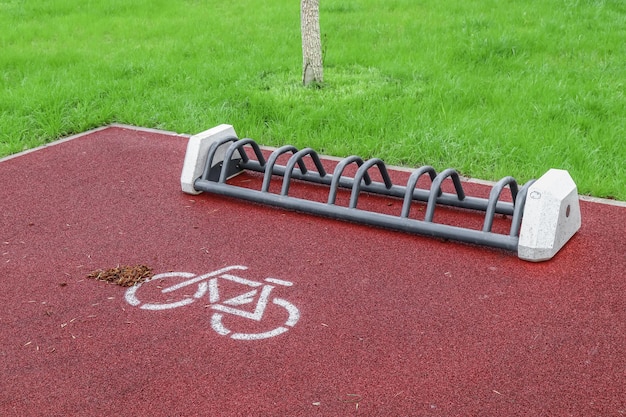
(196, 155)
(551, 216)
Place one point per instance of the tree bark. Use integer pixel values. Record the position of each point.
(312, 68)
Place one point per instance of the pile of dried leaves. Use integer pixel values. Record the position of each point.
(126, 276)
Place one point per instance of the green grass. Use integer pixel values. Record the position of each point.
(492, 88)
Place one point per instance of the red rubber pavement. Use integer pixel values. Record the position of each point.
(390, 324)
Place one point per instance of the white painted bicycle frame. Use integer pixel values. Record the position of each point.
(209, 283)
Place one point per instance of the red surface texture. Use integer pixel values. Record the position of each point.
(390, 324)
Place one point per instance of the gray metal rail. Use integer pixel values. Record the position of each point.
(236, 159)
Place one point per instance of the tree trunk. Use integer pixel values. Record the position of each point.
(312, 69)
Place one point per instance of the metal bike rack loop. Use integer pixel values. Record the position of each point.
(218, 154)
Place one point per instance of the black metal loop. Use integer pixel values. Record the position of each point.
(297, 158)
(494, 195)
(269, 167)
(211, 154)
(238, 146)
(412, 183)
(338, 172)
(436, 188)
(360, 174)
(518, 211)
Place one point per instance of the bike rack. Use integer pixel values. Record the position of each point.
(545, 213)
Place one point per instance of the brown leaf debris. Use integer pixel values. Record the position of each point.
(125, 275)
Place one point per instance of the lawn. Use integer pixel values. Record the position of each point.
(492, 88)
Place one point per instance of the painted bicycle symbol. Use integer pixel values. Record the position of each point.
(178, 295)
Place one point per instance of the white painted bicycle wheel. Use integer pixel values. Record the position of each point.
(170, 299)
(294, 315)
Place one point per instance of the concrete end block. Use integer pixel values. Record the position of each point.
(197, 152)
(551, 216)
